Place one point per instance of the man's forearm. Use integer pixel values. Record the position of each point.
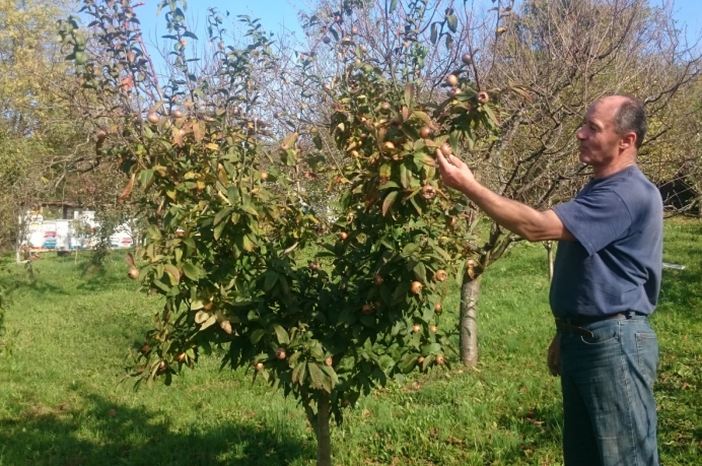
(515, 216)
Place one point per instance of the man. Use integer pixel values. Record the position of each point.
(606, 282)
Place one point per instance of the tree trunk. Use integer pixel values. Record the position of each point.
(468, 337)
(549, 257)
(321, 430)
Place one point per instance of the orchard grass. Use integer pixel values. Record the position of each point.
(64, 399)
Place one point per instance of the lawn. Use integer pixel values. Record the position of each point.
(64, 399)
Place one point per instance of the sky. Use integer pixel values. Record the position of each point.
(281, 16)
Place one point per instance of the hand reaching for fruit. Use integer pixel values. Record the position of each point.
(454, 172)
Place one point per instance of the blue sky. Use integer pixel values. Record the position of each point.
(282, 15)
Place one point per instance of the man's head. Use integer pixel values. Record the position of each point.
(611, 133)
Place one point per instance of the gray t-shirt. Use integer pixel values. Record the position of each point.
(615, 264)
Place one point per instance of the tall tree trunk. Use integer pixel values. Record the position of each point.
(321, 430)
(549, 257)
(470, 290)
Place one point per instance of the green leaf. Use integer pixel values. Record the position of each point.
(452, 22)
(192, 271)
(281, 334)
(420, 272)
(316, 375)
(222, 214)
(256, 335)
(389, 201)
(270, 278)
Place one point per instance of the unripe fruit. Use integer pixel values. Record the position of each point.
(416, 328)
(467, 59)
(440, 275)
(226, 326)
(433, 328)
(446, 149)
(483, 97)
(280, 354)
(425, 132)
(133, 273)
(452, 80)
(416, 287)
(153, 118)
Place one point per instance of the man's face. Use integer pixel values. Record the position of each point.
(599, 141)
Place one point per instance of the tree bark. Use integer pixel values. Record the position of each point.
(468, 336)
(549, 257)
(321, 430)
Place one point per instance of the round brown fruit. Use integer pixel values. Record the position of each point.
(378, 279)
(280, 354)
(367, 309)
(467, 59)
(446, 149)
(133, 273)
(440, 275)
(181, 357)
(437, 308)
(145, 348)
(177, 114)
(452, 80)
(483, 97)
(226, 326)
(416, 287)
(416, 328)
(388, 145)
(329, 361)
(343, 236)
(420, 360)
(425, 132)
(162, 366)
(100, 135)
(153, 118)
(440, 359)
(264, 176)
(259, 366)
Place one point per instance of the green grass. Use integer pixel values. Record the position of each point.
(63, 400)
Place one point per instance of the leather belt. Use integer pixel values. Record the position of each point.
(575, 324)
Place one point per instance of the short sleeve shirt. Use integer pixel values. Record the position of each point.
(616, 261)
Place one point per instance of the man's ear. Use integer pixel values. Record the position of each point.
(628, 140)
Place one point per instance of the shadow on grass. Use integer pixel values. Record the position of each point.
(537, 426)
(107, 434)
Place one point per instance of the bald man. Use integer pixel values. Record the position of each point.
(606, 282)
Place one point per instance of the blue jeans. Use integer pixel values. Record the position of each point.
(608, 406)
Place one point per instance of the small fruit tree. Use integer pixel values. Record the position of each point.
(225, 243)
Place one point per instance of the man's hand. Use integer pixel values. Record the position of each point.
(454, 172)
(554, 356)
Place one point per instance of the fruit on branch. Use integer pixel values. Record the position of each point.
(259, 366)
(378, 279)
(440, 359)
(433, 328)
(446, 149)
(177, 114)
(428, 192)
(416, 287)
(181, 357)
(133, 273)
(343, 236)
(416, 328)
(483, 97)
(367, 309)
(226, 326)
(452, 80)
(264, 176)
(280, 354)
(425, 132)
(328, 361)
(153, 118)
(162, 366)
(467, 59)
(389, 145)
(440, 275)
